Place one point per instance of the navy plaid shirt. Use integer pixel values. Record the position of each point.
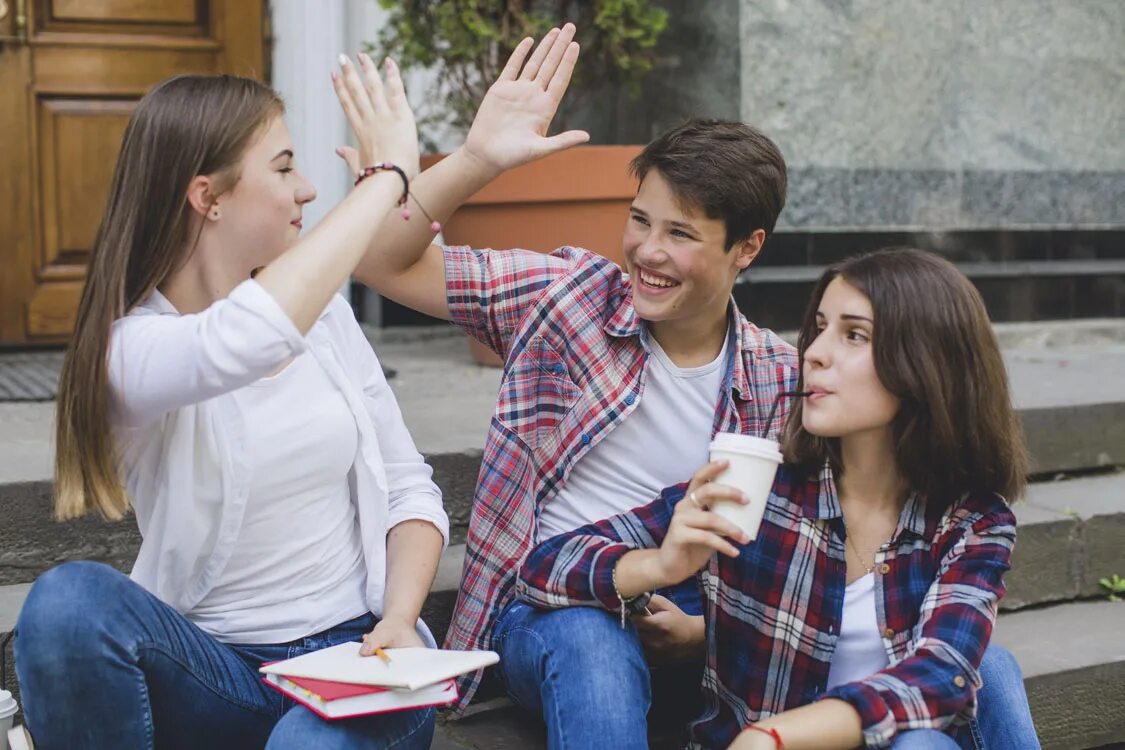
(773, 613)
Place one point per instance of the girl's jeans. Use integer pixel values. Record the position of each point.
(102, 663)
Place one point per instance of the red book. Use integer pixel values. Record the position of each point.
(344, 700)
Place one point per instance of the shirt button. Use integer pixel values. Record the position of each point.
(959, 681)
(884, 568)
(585, 438)
(630, 399)
(831, 628)
(888, 634)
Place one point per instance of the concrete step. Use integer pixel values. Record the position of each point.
(1070, 535)
(1073, 659)
(1075, 684)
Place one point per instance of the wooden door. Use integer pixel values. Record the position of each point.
(70, 74)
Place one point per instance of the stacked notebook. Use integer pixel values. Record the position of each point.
(338, 683)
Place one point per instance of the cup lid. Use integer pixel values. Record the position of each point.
(738, 443)
(8, 705)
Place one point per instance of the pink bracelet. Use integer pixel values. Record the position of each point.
(386, 166)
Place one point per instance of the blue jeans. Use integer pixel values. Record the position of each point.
(102, 663)
(589, 681)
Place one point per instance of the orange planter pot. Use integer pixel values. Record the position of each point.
(578, 197)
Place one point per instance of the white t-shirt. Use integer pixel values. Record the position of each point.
(664, 441)
(297, 567)
(859, 650)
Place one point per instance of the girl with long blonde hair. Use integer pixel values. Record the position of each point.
(218, 386)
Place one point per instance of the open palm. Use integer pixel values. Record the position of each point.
(511, 125)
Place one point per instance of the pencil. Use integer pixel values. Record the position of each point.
(383, 655)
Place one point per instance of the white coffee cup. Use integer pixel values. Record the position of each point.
(753, 465)
(8, 709)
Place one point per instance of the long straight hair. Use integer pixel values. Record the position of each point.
(934, 348)
(184, 127)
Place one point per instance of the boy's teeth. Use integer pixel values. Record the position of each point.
(652, 281)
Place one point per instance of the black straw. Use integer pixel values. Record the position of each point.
(776, 401)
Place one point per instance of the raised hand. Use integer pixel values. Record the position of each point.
(511, 124)
(378, 114)
(696, 532)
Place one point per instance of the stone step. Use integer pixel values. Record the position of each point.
(1075, 684)
(1069, 537)
(1072, 656)
(1065, 378)
(1073, 659)
(1071, 534)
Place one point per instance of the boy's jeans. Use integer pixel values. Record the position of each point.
(102, 663)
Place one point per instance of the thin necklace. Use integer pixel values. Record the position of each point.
(866, 568)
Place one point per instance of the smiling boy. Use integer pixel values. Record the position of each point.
(615, 381)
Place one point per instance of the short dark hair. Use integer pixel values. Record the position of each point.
(729, 170)
(956, 430)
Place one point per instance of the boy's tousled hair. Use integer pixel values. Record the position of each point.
(729, 170)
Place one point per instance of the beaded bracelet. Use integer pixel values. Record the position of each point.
(636, 605)
(777, 743)
(386, 166)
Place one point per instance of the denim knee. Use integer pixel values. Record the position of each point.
(924, 739)
(66, 603)
(998, 666)
(572, 646)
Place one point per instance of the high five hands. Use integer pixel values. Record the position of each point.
(378, 114)
(511, 124)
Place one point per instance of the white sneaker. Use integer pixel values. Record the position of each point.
(20, 739)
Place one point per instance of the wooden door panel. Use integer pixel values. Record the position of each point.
(128, 17)
(137, 11)
(51, 309)
(65, 97)
(78, 144)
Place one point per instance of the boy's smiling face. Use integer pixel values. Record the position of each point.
(676, 257)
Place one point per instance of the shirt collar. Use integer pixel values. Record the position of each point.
(818, 499)
(624, 321)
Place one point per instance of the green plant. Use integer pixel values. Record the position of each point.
(466, 43)
(1116, 585)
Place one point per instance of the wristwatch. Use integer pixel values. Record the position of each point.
(638, 605)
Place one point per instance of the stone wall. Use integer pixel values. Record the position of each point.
(954, 114)
(911, 114)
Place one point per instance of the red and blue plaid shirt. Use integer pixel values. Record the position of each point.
(574, 369)
(773, 614)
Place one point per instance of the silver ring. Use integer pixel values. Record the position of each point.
(691, 497)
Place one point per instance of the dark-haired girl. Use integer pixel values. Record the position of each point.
(860, 614)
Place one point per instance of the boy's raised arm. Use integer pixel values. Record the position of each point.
(510, 129)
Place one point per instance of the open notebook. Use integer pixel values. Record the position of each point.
(410, 668)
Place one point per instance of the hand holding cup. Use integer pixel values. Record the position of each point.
(696, 531)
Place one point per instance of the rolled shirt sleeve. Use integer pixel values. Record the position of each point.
(489, 291)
